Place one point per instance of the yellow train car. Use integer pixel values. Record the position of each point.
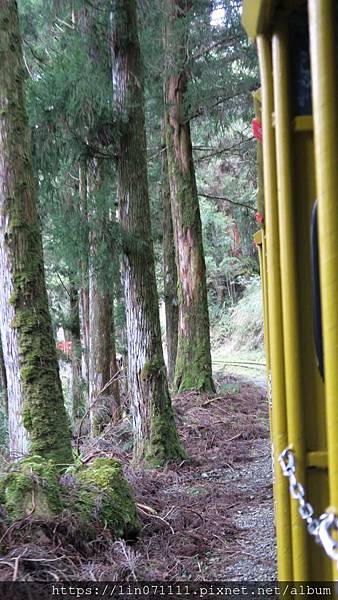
(297, 127)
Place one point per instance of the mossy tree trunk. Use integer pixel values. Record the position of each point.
(26, 323)
(18, 439)
(169, 272)
(193, 362)
(155, 435)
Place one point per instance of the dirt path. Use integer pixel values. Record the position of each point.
(214, 514)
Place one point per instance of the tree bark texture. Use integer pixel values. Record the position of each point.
(114, 370)
(193, 362)
(84, 270)
(105, 405)
(169, 272)
(34, 387)
(155, 435)
(78, 402)
(3, 382)
(102, 405)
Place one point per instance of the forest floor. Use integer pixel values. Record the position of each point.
(214, 513)
(208, 519)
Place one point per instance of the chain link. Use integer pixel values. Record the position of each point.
(321, 528)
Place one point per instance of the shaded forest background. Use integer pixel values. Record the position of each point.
(70, 104)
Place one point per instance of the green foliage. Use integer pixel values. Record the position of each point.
(72, 115)
(246, 318)
(222, 72)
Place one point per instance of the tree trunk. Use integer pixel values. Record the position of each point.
(18, 440)
(84, 270)
(101, 402)
(169, 272)
(105, 405)
(75, 356)
(3, 383)
(155, 435)
(35, 394)
(114, 370)
(193, 362)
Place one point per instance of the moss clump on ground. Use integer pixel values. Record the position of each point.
(102, 495)
(30, 487)
(98, 496)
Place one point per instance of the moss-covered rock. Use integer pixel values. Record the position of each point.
(30, 487)
(102, 495)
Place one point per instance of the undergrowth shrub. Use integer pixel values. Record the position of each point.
(245, 319)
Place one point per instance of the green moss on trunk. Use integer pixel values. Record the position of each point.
(44, 414)
(96, 495)
(31, 487)
(155, 435)
(163, 443)
(193, 368)
(170, 281)
(44, 411)
(193, 360)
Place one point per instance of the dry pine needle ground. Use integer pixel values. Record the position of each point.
(209, 518)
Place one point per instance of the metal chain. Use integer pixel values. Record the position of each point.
(321, 528)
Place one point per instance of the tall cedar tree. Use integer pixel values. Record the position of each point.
(155, 435)
(104, 401)
(28, 345)
(169, 271)
(105, 405)
(193, 361)
(74, 330)
(84, 270)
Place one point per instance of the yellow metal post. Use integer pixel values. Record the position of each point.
(259, 241)
(279, 427)
(313, 392)
(325, 115)
(290, 298)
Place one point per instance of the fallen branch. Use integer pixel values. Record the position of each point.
(213, 197)
(223, 150)
(212, 400)
(234, 437)
(149, 514)
(16, 567)
(151, 510)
